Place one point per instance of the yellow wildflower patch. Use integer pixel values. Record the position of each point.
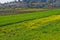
(35, 23)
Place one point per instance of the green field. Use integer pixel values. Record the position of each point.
(43, 25)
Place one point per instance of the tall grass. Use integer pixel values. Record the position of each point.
(23, 31)
(11, 19)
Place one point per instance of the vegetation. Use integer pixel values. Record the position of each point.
(11, 19)
(44, 25)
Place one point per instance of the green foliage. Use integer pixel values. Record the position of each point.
(21, 31)
(30, 27)
(11, 19)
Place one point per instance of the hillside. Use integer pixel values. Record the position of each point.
(43, 25)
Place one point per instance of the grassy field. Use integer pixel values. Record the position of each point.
(43, 25)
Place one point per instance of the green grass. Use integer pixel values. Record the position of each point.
(11, 19)
(43, 25)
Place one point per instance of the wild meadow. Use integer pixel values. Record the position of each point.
(41, 25)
